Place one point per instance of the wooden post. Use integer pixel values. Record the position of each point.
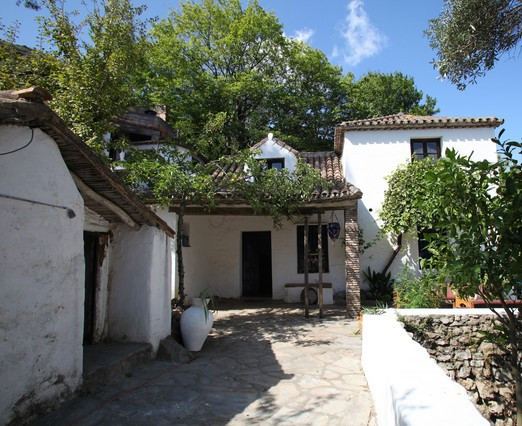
(320, 260)
(307, 312)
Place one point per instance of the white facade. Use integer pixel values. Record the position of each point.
(41, 274)
(270, 149)
(369, 156)
(140, 291)
(42, 277)
(214, 258)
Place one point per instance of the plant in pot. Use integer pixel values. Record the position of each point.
(196, 321)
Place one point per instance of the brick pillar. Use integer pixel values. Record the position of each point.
(351, 261)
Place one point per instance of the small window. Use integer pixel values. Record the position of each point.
(425, 148)
(423, 243)
(313, 252)
(275, 163)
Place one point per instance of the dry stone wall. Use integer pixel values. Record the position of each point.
(455, 342)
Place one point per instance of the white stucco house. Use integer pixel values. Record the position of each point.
(239, 255)
(83, 260)
(370, 150)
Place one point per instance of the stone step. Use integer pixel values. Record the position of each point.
(108, 363)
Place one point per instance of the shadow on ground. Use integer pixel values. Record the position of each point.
(244, 373)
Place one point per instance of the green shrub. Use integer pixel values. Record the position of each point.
(380, 286)
(423, 291)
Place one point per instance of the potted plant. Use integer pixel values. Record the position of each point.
(196, 321)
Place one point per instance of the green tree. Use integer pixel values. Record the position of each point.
(470, 36)
(376, 94)
(219, 63)
(305, 106)
(91, 67)
(172, 177)
(478, 242)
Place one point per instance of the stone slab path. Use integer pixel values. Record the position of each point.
(260, 365)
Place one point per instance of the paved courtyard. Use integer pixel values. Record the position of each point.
(265, 365)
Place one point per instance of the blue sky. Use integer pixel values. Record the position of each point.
(369, 35)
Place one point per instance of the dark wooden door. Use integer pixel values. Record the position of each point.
(90, 244)
(257, 264)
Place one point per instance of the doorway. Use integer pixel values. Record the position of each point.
(90, 246)
(257, 264)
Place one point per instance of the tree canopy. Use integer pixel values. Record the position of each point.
(91, 67)
(471, 35)
(221, 65)
(226, 72)
(376, 94)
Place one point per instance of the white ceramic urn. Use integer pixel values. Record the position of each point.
(195, 326)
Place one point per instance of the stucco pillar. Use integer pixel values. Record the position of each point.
(351, 261)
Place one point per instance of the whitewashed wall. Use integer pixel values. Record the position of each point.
(140, 291)
(41, 275)
(213, 259)
(408, 387)
(271, 149)
(369, 156)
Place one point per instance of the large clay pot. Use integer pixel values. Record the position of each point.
(194, 326)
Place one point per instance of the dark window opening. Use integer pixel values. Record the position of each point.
(313, 252)
(423, 243)
(275, 163)
(425, 148)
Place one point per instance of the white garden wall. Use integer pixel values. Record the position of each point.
(213, 259)
(41, 275)
(407, 385)
(369, 156)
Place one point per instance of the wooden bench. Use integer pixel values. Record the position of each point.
(293, 292)
(477, 301)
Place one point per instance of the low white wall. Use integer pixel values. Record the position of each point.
(140, 293)
(41, 275)
(407, 385)
(214, 257)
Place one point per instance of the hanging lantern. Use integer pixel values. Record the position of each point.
(333, 230)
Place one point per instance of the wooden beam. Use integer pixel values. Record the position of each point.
(89, 193)
(233, 211)
(320, 260)
(306, 286)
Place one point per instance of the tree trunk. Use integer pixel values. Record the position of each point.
(179, 254)
(306, 287)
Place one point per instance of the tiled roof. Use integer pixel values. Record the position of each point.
(327, 163)
(407, 121)
(330, 167)
(402, 121)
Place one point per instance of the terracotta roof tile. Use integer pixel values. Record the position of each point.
(409, 121)
(330, 167)
(401, 121)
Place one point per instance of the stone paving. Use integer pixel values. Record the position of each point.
(260, 365)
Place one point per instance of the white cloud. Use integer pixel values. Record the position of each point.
(335, 52)
(362, 38)
(303, 35)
